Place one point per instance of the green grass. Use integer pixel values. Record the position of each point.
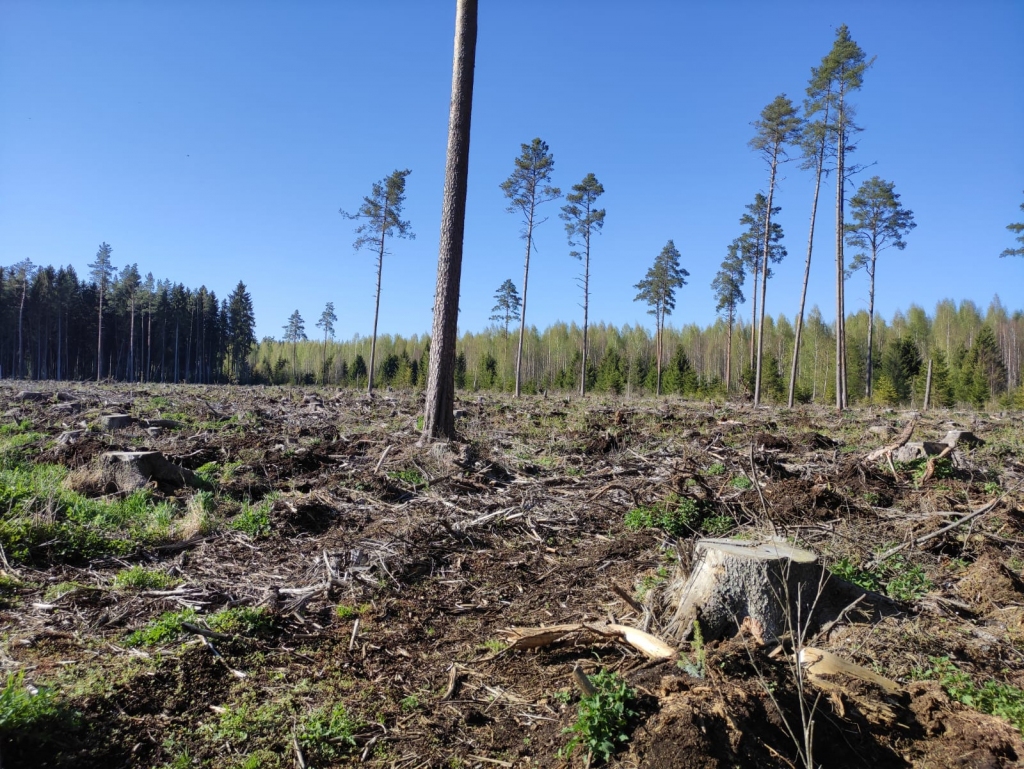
(254, 520)
(242, 620)
(677, 516)
(29, 715)
(602, 719)
(326, 734)
(163, 630)
(895, 577)
(412, 477)
(167, 628)
(741, 482)
(991, 697)
(144, 579)
(41, 517)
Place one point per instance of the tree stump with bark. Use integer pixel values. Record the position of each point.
(765, 588)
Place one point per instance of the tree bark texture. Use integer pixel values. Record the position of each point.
(764, 279)
(762, 587)
(439, 417)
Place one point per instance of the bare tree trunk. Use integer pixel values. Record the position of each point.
(376, 306)
(439, 417)
(840, 267)
(522, 309)
(764, 281)
(99, 340)
(871, 322)
(728, 356)
(807, 277)
(586, 303)
(660, 323)
(753, 313)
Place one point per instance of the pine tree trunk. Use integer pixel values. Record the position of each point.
(522, 311)
(764, 279)
(871, 323)
(376, 306)
(728, 356)
(807, 276)
(586, 302)
(439, 416)
(99, 340)
(840, 267)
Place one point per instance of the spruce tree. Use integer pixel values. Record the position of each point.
(241, 331)
(528, 188)
(879, 222)
(381, 216)
(582, 220)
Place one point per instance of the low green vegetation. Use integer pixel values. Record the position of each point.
(602, 719)
(990, 697)
(741, 482)
(695, 665)
(412, 477)
(141, 578)
(164, 629)
(30, 715)
(895, 577)
(678, 516)
(327, 734)
(169, 627)
(254, 520)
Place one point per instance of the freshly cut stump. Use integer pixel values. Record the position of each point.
(737, 583)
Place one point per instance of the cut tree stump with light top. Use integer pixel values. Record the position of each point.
(740, 583)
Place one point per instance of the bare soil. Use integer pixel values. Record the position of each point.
(520, 522)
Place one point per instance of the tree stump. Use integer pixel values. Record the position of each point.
(115, 421)
(761, 587)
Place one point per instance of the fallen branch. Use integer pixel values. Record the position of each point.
(918, 541)
(534, 638)
(903, 437)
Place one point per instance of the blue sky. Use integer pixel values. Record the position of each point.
(210, 142)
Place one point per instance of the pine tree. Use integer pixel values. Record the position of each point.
(879, 222)
(326, 322)
(728, 288)
(439, 413)
(1017, 228)
(840, 73)
(381, 215)
(527, 188)
(658, 290)
(582, 220)
(102, 272)
(779, 126)
(295, 332)
(21, 275)
(506, 310)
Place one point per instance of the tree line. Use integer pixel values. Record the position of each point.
(118, 324)
(976, 358)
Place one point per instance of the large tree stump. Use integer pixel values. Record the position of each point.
(128, 471)
(762, 587)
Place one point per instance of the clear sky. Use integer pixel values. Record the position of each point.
(215, 141)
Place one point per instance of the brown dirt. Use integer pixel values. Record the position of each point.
(519, 522)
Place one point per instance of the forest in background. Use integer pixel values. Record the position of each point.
(156, 331)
